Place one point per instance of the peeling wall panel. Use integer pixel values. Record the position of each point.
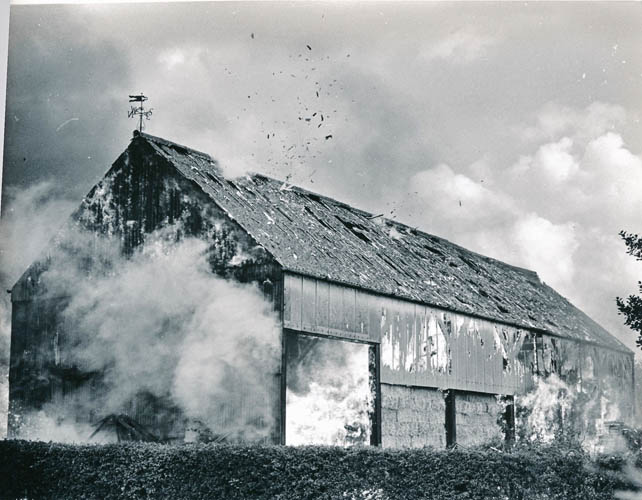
(427, 347)
(362, 311)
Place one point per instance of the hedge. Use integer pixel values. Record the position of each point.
(143, 470)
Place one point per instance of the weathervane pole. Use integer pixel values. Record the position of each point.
(139, 111)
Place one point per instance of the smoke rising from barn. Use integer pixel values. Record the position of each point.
(246, 309)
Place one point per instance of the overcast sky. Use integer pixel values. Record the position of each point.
(512, 129)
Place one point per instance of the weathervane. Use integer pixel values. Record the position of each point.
(139, 111)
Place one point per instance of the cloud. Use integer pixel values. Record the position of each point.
(557, 209)
(554, 120)
(546, 247)
(448, 199)
(553, 161)
(490, 220)
(460, 47)
(172, 58)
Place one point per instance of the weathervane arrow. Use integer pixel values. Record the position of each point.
(139, 110)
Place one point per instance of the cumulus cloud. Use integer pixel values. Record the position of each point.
(556, 209)
(460, 47)
(554, 120)
(449, 199)
(491, 221)
(556, 160)
(546, 247)
(172, 58)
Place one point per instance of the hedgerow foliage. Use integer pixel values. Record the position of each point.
(63, 471)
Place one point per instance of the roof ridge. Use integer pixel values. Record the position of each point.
(171, 144)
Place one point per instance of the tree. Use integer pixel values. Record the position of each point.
(631, 307)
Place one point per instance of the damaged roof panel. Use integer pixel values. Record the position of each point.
(317, 236)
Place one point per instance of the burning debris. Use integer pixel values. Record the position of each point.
(125, 428)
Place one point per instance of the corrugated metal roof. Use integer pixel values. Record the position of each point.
(317, 236)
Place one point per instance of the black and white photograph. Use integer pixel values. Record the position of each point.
(366, 250)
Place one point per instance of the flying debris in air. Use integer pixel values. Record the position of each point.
(329, 136)
(309, 48)
(252, 36)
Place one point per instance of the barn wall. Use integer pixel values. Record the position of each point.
(141, 193)
(426, 347)
(420, 345)
(430, 347)
(478, 418)
(412, 417)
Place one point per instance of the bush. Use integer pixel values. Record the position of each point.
(144, 470)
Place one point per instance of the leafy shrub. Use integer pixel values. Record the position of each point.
(148, 470)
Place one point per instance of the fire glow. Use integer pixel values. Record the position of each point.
(329, 397)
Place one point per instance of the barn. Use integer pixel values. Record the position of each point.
(387, 335)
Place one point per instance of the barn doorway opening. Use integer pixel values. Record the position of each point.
(330, 391)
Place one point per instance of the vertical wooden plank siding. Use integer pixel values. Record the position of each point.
(323, 307)
(308, 304)
(349, 304)
(335, 297)
(293, 301)
(362, 307)
(287, 305)
(428, 347)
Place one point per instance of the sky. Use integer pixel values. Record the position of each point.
(512, 129)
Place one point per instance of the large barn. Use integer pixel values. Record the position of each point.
(446, 342)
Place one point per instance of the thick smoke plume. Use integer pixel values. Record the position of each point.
(557, 411)
(160, 324)
(30, 217)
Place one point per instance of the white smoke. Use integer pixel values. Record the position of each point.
(555, 410)
(634, 475)
(30, 217)
(158, 323)
(161, 323)
(41, 425)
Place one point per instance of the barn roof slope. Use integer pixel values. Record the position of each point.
(320, 237)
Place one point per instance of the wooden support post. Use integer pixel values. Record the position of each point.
(284, 386)
(509, 419)
(451, 419)
(374, 365)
